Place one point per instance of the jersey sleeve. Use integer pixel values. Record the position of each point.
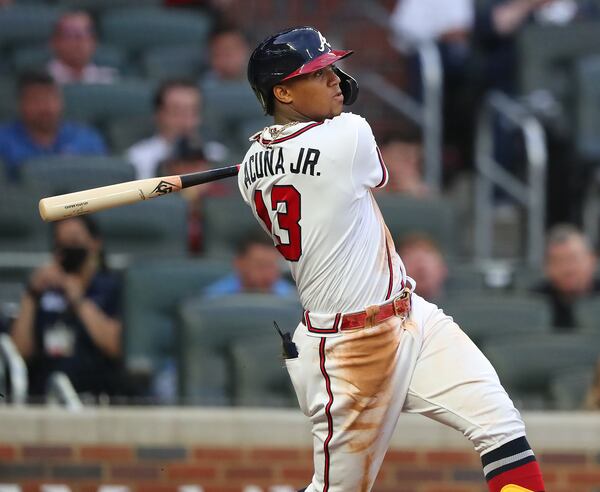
(368, 168)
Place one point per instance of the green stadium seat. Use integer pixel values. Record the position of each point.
(98, 6)
(37, 57)
(153, 290)
(177, 61)
(226, 219)
(99, 103)
(150, 228)
(8, 99)
(23, 24)
(55, 175)
(569, 389)
(587, 313)
(122, 133)
(490, 317)
(259, 384)
(527, 365)
(137, 28)
(209, 331)
(588, 107)
(21, 228)
(435, 218)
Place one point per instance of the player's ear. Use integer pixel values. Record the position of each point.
(282, 93)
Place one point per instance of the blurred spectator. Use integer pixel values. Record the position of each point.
(257, 270)
(6, 3)
(177, 114)
(69, 316)
(570, 268)
(229, 52)
(402, 153)
(74, 44)
(188, 157)
(412, 25)
(40, 129)
(425, 264)
(592, 399)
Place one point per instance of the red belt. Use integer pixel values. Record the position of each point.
(398, 306)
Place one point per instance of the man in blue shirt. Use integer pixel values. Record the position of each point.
(40, 129)
(257, 270)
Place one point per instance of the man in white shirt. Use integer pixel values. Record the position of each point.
(74, 44)
(177, 114)
(367, 347)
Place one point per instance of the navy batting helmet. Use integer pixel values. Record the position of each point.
(290, 53)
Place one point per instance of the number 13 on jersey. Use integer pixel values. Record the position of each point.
(285, 203)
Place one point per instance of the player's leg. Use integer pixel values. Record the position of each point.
(352, 388)
(455, 384)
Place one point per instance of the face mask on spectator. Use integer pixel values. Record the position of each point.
(72, 258)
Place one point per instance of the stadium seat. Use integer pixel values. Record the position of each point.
(98, 103)
(226, 220)
(98, 6)
(123, 132)
(23, 24)
(8, 100)
(492, 317)
(433, 217)
(587, 313)
(588, 107)
(138, 28)
(165, 62)
(21, 228)
(209, 331)
(259, 384)
(569, 389)
(152, 291)
(526, 365)
(231, 114)
(37, 57)
(150, 228)
(55, 175)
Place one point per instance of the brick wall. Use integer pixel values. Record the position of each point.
(164, 468)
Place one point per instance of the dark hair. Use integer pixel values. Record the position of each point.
(250, 239)
(91, 226)
(167, 85)
(29, 78)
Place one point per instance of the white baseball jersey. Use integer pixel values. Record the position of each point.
(310, 189)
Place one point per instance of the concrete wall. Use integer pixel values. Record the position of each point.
(228, 450)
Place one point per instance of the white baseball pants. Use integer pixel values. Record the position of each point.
(354, 384)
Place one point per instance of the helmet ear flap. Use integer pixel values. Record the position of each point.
(348, 86)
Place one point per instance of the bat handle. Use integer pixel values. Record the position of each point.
(193, 179)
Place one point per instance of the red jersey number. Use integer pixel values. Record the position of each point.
(287, 220)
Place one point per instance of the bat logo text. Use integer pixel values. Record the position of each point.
(163, 188)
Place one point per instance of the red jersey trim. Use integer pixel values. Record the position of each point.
(384, 171)
(289, 137)
(328, 415)
(391, 268)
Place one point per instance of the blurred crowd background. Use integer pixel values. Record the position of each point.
(487, 113)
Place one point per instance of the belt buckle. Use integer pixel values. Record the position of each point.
(400, 303)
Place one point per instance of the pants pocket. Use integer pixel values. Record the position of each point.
(294, 368)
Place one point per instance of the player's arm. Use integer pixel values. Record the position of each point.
(368, 168)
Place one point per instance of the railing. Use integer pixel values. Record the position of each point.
(490, 173)
(428, 114)
(16, 367)
(60, 391)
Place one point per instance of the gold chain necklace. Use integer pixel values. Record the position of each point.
(276, 132)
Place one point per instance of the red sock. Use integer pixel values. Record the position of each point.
(527, 475)
(512, 463)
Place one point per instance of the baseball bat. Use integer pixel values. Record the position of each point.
(95, 199)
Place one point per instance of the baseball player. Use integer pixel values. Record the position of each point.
(368, 348)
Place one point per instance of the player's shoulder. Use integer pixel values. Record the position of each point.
(348, 120)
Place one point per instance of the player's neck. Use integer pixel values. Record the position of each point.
(284, 117)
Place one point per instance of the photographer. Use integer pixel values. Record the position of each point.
(69, 316)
